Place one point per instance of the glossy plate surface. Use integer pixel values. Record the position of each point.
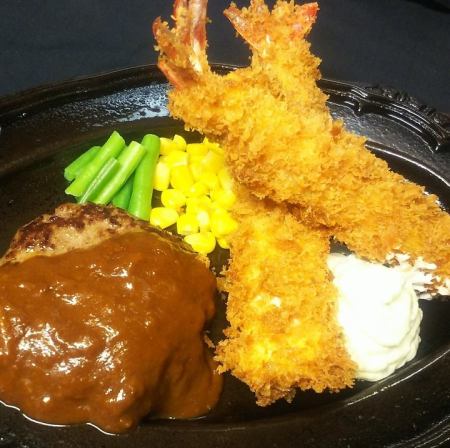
(42, 130)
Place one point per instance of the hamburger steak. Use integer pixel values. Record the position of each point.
(74, 226)
(102, 321)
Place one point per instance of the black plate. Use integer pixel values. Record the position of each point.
(41, 130)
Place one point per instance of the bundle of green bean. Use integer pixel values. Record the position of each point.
(116, 173)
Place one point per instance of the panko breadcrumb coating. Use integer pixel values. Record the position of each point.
(282, 144)
(280, 139)
(283, 330)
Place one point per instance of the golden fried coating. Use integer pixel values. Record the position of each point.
(292, 72)
(282, 143)
(376, 211)
(283, 330)
(367, 206)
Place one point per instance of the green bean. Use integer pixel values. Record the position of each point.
(111, 148)
(105, 175)
(141, 197)
(122, 198)
(72, 170)
(129, 160)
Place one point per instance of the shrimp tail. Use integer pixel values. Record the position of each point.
(258, 26)
(183, 48)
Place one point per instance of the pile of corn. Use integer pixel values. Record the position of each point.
(196, 193)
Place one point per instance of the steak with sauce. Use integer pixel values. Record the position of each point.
(102, 321)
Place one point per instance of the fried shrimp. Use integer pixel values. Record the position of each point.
(282, 144)
(376, 212)
(283, 330)
(281, 307)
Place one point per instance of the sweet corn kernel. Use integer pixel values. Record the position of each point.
(213, 146)
(214, 206)
(203, 220)
(203, 243)
(217, 211)
(213, 161)
(209, 179)
(197, 189)
(181, 178)
(162, 176)
(187, 224)
(173, 199)
(196, 159)
(224, 198)
(205, 201)
(217, 149)
(176, 158)
(196, 149)
(223, 243)
(197, 169)
(193, 205)
(163, 217)
(192, 202)
(225, 179)
(193, 208)
(180, 142)
(222, 223)
(166, 146)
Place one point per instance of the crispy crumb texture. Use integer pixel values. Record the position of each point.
(282, 145)
(283, 331)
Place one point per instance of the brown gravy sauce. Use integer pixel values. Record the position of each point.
(108, 334)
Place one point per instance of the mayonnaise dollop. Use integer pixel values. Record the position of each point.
(379, 314)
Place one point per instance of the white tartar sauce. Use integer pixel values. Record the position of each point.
(379, 314)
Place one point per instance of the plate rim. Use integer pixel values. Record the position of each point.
(11, 106)
(433, 126)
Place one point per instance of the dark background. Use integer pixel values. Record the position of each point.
(399, 43)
